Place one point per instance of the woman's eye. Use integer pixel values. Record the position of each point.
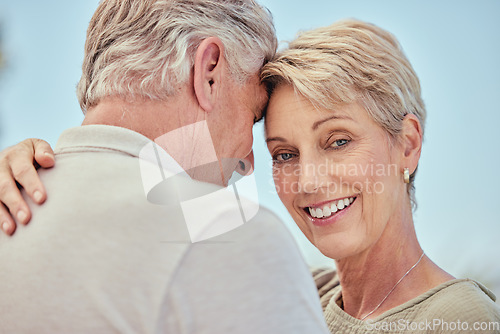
(282, 157)
(340, 142)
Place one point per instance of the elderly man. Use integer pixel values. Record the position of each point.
(170, 90)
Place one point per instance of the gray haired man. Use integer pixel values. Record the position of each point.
(133, 238)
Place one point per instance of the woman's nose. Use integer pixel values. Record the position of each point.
(311, 176)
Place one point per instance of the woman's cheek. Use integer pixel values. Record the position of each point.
(286, 185)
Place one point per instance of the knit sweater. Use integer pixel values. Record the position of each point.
(456, 306)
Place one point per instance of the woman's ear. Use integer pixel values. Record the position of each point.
(411, 137)
(208, 72)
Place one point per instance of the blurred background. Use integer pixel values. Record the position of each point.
(453, 46)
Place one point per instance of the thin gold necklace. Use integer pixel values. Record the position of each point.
(394, 287)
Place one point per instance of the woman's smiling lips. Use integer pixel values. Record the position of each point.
(328, 212)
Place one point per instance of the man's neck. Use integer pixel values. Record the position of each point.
(149, 118)
(179, 128)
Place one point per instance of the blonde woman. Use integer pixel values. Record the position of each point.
(344, 127)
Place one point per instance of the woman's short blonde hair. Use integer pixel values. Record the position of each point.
(146, 48)
(352, 61)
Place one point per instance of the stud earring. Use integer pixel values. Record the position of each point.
(406, 175)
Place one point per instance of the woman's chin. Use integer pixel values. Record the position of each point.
(335, 246)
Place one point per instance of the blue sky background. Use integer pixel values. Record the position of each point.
(454, 47)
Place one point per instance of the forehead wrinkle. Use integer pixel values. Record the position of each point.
(318, 123)
(280, 139)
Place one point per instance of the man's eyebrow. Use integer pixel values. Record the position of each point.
(318, 123)
(281, 139)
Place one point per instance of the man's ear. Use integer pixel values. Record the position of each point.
(411, 136)
(208, 71)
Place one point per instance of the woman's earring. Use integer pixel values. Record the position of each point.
(406, 175)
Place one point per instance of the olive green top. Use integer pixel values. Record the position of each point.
(456, 306)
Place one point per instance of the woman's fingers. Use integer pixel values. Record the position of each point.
(44, 155)
(18, 164)
(7, 224)
(13, 208)
(23, 162)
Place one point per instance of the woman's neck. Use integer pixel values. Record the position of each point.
(368, 277)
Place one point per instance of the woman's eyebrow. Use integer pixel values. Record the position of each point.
(281, 139)
(318, 123)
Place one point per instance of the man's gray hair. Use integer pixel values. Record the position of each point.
(146, 48)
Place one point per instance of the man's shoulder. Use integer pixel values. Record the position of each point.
(269, 219)
(263, 227)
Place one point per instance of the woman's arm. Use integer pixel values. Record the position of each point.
(18, 163)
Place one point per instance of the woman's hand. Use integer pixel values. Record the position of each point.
(18, 163)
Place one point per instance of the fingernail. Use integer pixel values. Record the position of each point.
(5, 227)
(21, 216)
(47, 154)
(37, 195)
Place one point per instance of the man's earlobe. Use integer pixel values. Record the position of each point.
(207, 72)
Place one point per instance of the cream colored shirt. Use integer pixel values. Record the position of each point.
(456, 306)
(99, 257)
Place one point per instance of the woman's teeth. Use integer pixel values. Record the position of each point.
(331, 208)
